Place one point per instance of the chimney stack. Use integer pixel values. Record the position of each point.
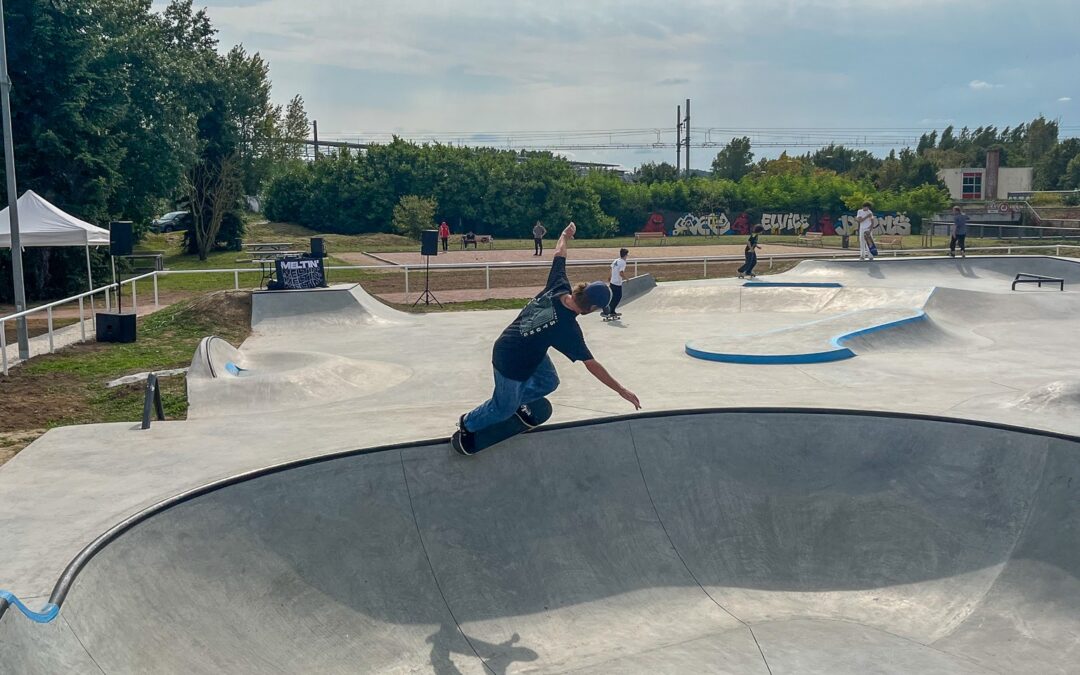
(990, 187)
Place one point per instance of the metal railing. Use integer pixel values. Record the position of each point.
(768, 259)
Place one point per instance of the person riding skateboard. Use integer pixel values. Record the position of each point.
(523, 370)
(618, 278)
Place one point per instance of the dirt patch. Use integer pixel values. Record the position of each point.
(228, 311)
(28, 399)
(13, 442)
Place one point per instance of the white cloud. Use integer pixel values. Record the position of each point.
(979, 85)
(1064, 99)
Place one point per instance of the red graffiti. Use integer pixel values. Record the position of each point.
(655, 223)
(741, 224)
(826, 225)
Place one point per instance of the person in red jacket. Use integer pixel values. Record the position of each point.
(444, 234)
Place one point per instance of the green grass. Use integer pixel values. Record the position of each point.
(68, 387)
(467, 306)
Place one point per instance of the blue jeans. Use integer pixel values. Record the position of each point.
(510, 394)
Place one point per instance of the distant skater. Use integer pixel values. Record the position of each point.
(750, 252)
(959, 232)
(444, 234)
(523, 370)
(865, 216)
(538, 238)
(618, 278)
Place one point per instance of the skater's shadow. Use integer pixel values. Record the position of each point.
(497, 657)
(874, 270)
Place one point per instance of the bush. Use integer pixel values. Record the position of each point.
(414, 214)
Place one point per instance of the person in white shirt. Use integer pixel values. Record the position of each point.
(865, 217)
(618, 276)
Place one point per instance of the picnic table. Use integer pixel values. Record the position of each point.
(267, 246)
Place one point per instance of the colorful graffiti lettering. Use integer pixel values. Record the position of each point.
(896, 223)
(776, 223)
(712, 224)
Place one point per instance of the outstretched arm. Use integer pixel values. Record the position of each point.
(601, 373)
(564, 239)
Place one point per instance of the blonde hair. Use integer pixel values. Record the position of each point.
(579, 296)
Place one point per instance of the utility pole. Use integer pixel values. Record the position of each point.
(678, 138)
(687, 138)
(13, 195)
(315, 133)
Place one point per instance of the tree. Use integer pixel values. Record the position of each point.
(1051, 171)
(652, 172)
(1042, 136)
(414, 214)
(295, 127)
(213, 188)
(1071, 180)
(734, 161)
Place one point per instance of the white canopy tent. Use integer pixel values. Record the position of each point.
(42, 224)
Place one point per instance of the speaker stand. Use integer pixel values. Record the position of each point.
(427, 296)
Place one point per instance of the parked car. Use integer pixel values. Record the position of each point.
(173, 221)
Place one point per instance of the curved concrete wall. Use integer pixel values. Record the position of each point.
(815, 542)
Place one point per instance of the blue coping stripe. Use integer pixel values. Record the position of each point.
(838, 354)
(47, 613)
(792, 284)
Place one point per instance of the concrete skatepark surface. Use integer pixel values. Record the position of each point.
(782, 540)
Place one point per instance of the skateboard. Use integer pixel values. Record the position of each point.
(870, 243)
(508, 428)
(611, 317)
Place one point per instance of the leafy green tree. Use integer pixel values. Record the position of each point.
(734, 161)
(414, 214)
(651, 172)
(1051, 171)
(1071, 179)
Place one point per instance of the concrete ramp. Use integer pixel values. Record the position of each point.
(319, 308)
(973, 271)
(726, 541)
(224, 380)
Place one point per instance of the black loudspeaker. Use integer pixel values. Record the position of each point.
(318, 247)
(115, 327)
(429, 242)
(121, 237)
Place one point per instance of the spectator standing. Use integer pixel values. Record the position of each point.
(865, 217)
(750, 252)
(538, 238)
(959, 232)
(444, 234)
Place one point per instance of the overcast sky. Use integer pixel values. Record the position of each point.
(481, 69)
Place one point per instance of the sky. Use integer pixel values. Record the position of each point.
(787, 72)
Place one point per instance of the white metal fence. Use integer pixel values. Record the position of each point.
(48, 342)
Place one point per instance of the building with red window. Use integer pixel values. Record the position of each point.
(990, 182)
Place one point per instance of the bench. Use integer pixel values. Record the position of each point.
(650, 235)
(477, 239)
(810, 239)
(889, 240)
(1025, 278)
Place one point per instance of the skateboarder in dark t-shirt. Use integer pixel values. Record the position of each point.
(523, 370)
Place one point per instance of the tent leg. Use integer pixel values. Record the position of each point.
(89, 287)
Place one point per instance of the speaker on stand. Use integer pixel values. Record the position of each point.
(118, 327)
(429, 246)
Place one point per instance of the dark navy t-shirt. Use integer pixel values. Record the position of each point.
(545, 322)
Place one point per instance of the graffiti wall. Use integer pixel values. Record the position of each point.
(716, 224)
